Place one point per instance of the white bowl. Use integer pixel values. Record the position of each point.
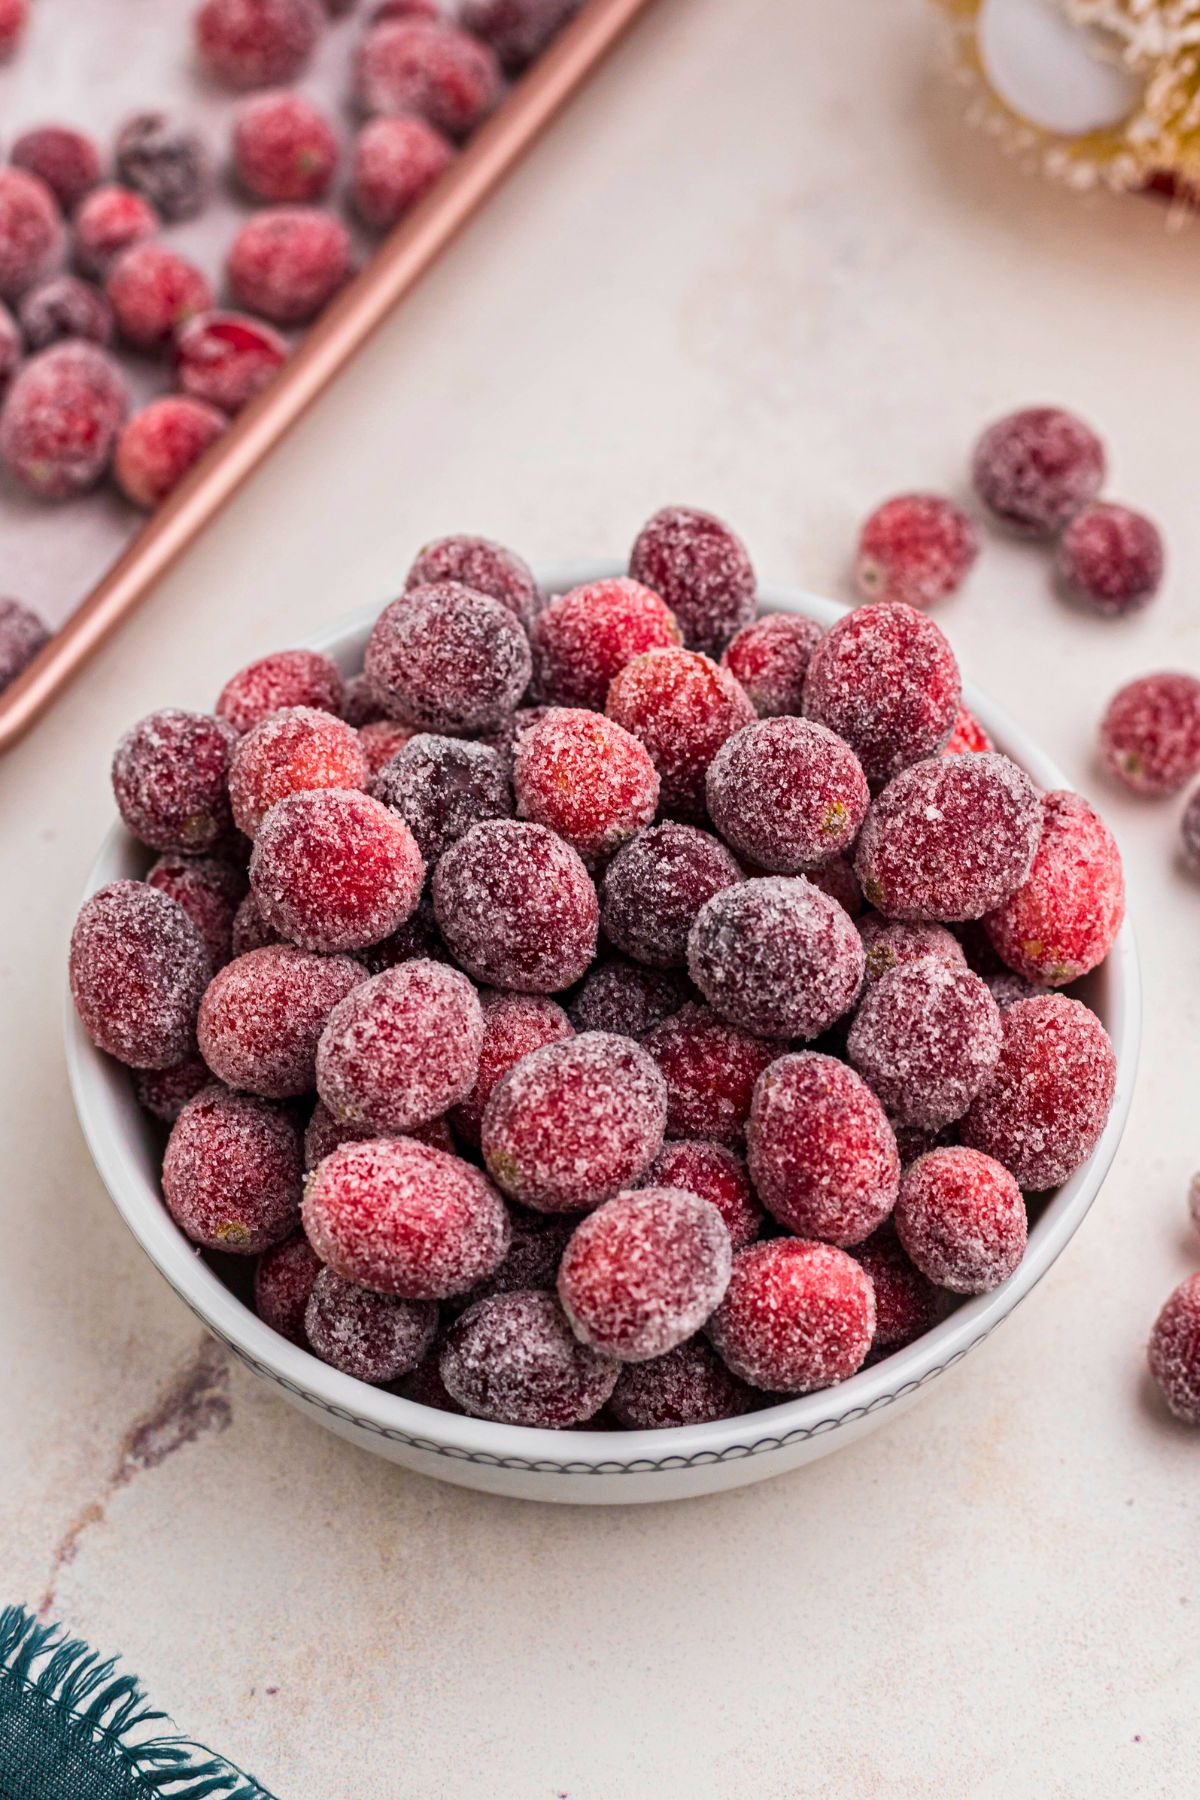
(584, 1466)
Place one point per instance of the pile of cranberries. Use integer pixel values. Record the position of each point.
(609, 1005)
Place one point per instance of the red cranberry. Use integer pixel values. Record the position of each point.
(138, 967)
(513, 1026)
(890, 942)
(703, 572)
(384, 739)
(169, 773)
(906, 1302)
(287, 262)
(1174, 1351)
(22, 635)
(11, 348)
(514, 1358)
(286, 678)
(656, 885)
(60, 421)
(250, 929)
(715, 1174)
(374, 1337)
(110, 219)
(821, 1152)
(447, 659)
(926, 1039)
(683, 708)
(478, 563)
(231, 1172)
(31, 232)
(154, 291)
(160, 444)
(284, 147)
(770, 658)
(283, 1281)
(402, 1048)
(64, 158)
(690, 1385)
(324, 1134)
(434, 70)
(587, 636)
(777, 957)
(164, 1093)
(885, 679)
(14, 16)
(517, 30)
(916, 549)
(787, 793)
(585, 778)
(262, 1017)
(1189, 833)
(517, 907)
(165, 163)
(1110, 559)
(710, 1068)
(227, 359)
(442, 786)
(837, 879)
(396, 162)
(332, 869)
(64, 307)
(617, 995)
(1034, 470)
(295, 750)
(1063, 919)
(796, 1317)
(961, 1219)
(209, 892)
(256, 43)
(968, 735)
(1150, 733)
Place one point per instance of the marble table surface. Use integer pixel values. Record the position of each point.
(764, 267)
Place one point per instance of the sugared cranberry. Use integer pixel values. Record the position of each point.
(154, 291)
(514, 1358)
(587, 636)
(14, 16)
(701, 569)
(906, 1302)
(822, 1155)
(1034, 470)
(31, 232)
(890, 942)
(382, 739)
(837, 879)
(396, 161)
(285, 678)
(64, 307)
(796, 1317)
(885, 679)
(1110, 559)
(401, 1218)
(209, 892)
(1063, 918)
(262, 1017)
(916, 549)
(283, 1281)
(574, 1122)
(433, 70)
(961, 1220)
(968, 735)
(166, 163)
(1007, 988)
(226, 359)
(513, 1026)
(949, 838)
(255, 43)
(11, 348)
(715, 1174)
(683, 707)
(284, 147)
(231, 1172)
(448, 659)
(690, 1385)
(288, 261)
(517, 907)
(402, 1048)
(770, 658)
(1174, 1351)
(926, 1039)
(442, 786)
(644, 1271)
(250, 929)
(161, 443)
(479, 563)
(656, 885)
(59, 426)
(787, 793)
(164, 1093)
(1189, 833)
(297, 749)
(1043, 1110)
(1150, 733)
(169, 773)
(22, 635)
(710, 1068)
(332, 869)
(138, 967)
(617, 995)
(777, 957)
(109, 220)
(517, 30)
(324, 1134)
(586, 779)
(374, 1337)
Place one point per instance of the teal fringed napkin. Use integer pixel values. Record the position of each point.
(71, 1728)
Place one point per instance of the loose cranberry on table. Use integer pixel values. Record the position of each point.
(297, 749)
(256, 43)
(431, 69)
(820, 1150)
(482, 564)
(1110, 559)
(926, 1039)
(209, 891)
(64, 307)
(586, 779)
(166, 163)
(513, 1358)
(961, 1220)
(287, 262)
(797, 1316)
(22, 635)
(285, 678)
(14, 16)
(32, 239)
(402, 1048)
(263, 1015)
(916, 549)
(1035, 469)
(161, 443)
(701, 569)
(1150, 732)
(374, 1337)
(332, 869)
(284, 147)
(777, 957)
(153, 292)
(394, 164)
(1064, 917)
(226, 359)
(885, 679)
(655, 886)
(169, 775)
(138, 967)
(61, 419)
(441, 786)
(109, 220)
(448, 659)
(587, 636)
(770, 658)
(231, 1172)
(517, 907)
(517, 30)
(625, 997)
(713, 1173)
(787, 793)
(683, 707)
(513, 1026)
(66, 160)
(710, 1068)
(1174, 1351)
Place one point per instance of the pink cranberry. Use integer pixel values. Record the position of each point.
(1174, 1351)
(961, 1219)
(138, 967)
(283, 1281)
(256, 43)
(587, 779)
(284, 147)
(64, 158)
(447, 659)
(59, 426)
(442, 786)
(14, 16)
(655, 886)
(890, 942)
(796, 1316)
(1034, 470)
(165, 163)
(402, 1048)
(620, 996)
(396, 161)
(1063, 918)
(777, 957)
(231, 1172)
(110, 219)
(169, 773)
(787, 793)
(286, 678)
(517, 907)
(513, 1026)
(263, 1014)
(702, 571)
(770, 658)
(482, 564)
(31, 232)
(885, 679)
(287, 262)
(916, 549)
(434, 70)
(821, 1152)
(587, 636)
(715, 1174)
(154, 291)
(64, 307)
(690, 1385)
(209, 892)
(374, 1337)
(383, 739)
(22, 635)
(968, 735)
(295, 750)
(514, 1358)
(1150, 733)
(907, 1304)
(161, 443)
(926, 1039)
(1110, 559)
(710, 1068)
(332, 869)
(683, 708)
(250, 929)
(227, 359)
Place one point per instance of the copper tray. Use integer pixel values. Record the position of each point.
(390, 273)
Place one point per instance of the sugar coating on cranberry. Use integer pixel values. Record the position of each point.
(517, 30)
(587, 636)
(164, 1093)
(441, 786)
(1063, 918)
(286, 678)
(67, 161)
(138, 967)
(926, 1039)
(61, 417)
(332, 869)
(255, 43)
(447, 659)
(382, 739)
(644, 1271)
(769, 657)
(574, 1122)
(950, 838)
(797, 1316)
(776, 956)
(293, 750)
(534, 1253)
(166, 163)
(961, 1220)
(263, 1014)
(1150, 732)
(374, 1337)
(915, 549)
(1035, 469)
(890, 942)
(837, 879)
(479, 563)
(417, 937)
(395, 163)
(209, 892)
(283, 1280)
(689, 1385)
(1049, 1097)
(968, 735)
(284, 147)
(517, 906)
(107, 221)
(431, 69)
(821, 1152)
(885, 679)
(11, 348)
(14, 17)
(169, 776)
(702, 570)
(787, 793)
(710, 1068)
(401, 1218)
(513, 1026)
(64, 307)
(621, 996)
(1174, 1351)
(513, 1358)
(153, 291)
(655, 886)
(1110, 559)
(683, 707)
(22, 635)
(226, 359)
(907, 1303)
(161, 443)
(715, 1174)
(231, 1172)
(401, 1048)
(1189, 834)
(324, 1134)
(586, 779)
(287, 262)
(1006, 988)
(31, 231)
